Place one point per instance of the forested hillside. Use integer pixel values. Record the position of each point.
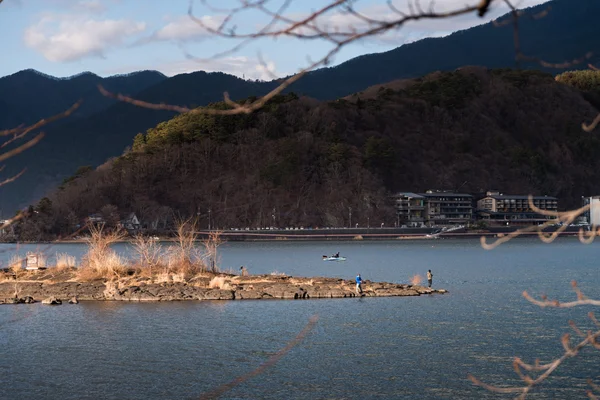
(303, 162)
(102, 129)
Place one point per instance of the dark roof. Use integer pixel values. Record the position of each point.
(519, 197)
(410, 194)
(445, 194)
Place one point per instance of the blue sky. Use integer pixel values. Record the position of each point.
(107, 37)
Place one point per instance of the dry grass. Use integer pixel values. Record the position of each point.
(15, 264)
(64, 261)
(101, 261)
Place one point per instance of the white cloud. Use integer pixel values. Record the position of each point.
(185, 29)
(69, 37)
(241, 66)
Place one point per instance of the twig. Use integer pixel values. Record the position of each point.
(215, 393)
(13, 178)
(45, 121)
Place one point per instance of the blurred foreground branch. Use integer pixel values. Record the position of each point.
(564, 218)
(526, 371)
(215, 393)
(310, 26)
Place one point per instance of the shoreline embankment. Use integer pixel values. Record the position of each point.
(62, 286)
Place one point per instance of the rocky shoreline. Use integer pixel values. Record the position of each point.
(44, 286)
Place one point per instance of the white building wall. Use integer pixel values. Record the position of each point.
(595, 211)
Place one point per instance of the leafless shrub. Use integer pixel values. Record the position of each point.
(149, 253)
(211, 244)
(101, 261)
(185, 257)
(15, 264)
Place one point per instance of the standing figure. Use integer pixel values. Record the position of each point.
(358, 284)
(429, 278)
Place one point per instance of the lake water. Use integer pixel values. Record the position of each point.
(370, 348)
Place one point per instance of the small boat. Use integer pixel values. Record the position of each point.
(332, 258)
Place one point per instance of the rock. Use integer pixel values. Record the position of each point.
(248, 294)
(240, 287)
(28, 300)
(52, 301)
(219, 294)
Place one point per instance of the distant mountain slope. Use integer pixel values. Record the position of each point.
(35, 95)
(301, 162)
(569, 31)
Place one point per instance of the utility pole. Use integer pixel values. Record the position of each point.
(209, 211)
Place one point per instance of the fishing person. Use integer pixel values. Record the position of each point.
(429, 278)
(359, 285)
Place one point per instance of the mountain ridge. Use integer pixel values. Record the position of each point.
(107, 128)
(302, 162)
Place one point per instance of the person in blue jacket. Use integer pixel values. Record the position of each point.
(358, 284)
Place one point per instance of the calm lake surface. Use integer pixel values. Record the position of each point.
(370, 348)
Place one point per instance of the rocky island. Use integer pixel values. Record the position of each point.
(63, 285)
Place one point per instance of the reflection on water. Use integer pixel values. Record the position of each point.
(415, 347)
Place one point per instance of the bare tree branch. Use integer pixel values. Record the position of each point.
(13, 178)
(589, 339)
(22, 148)
(307, 27)
(215, 393)
(294, 28)
(21, 131)
(565, 218)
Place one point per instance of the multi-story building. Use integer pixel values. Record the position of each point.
(447, 208)
(501, 209)
(410, 209)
